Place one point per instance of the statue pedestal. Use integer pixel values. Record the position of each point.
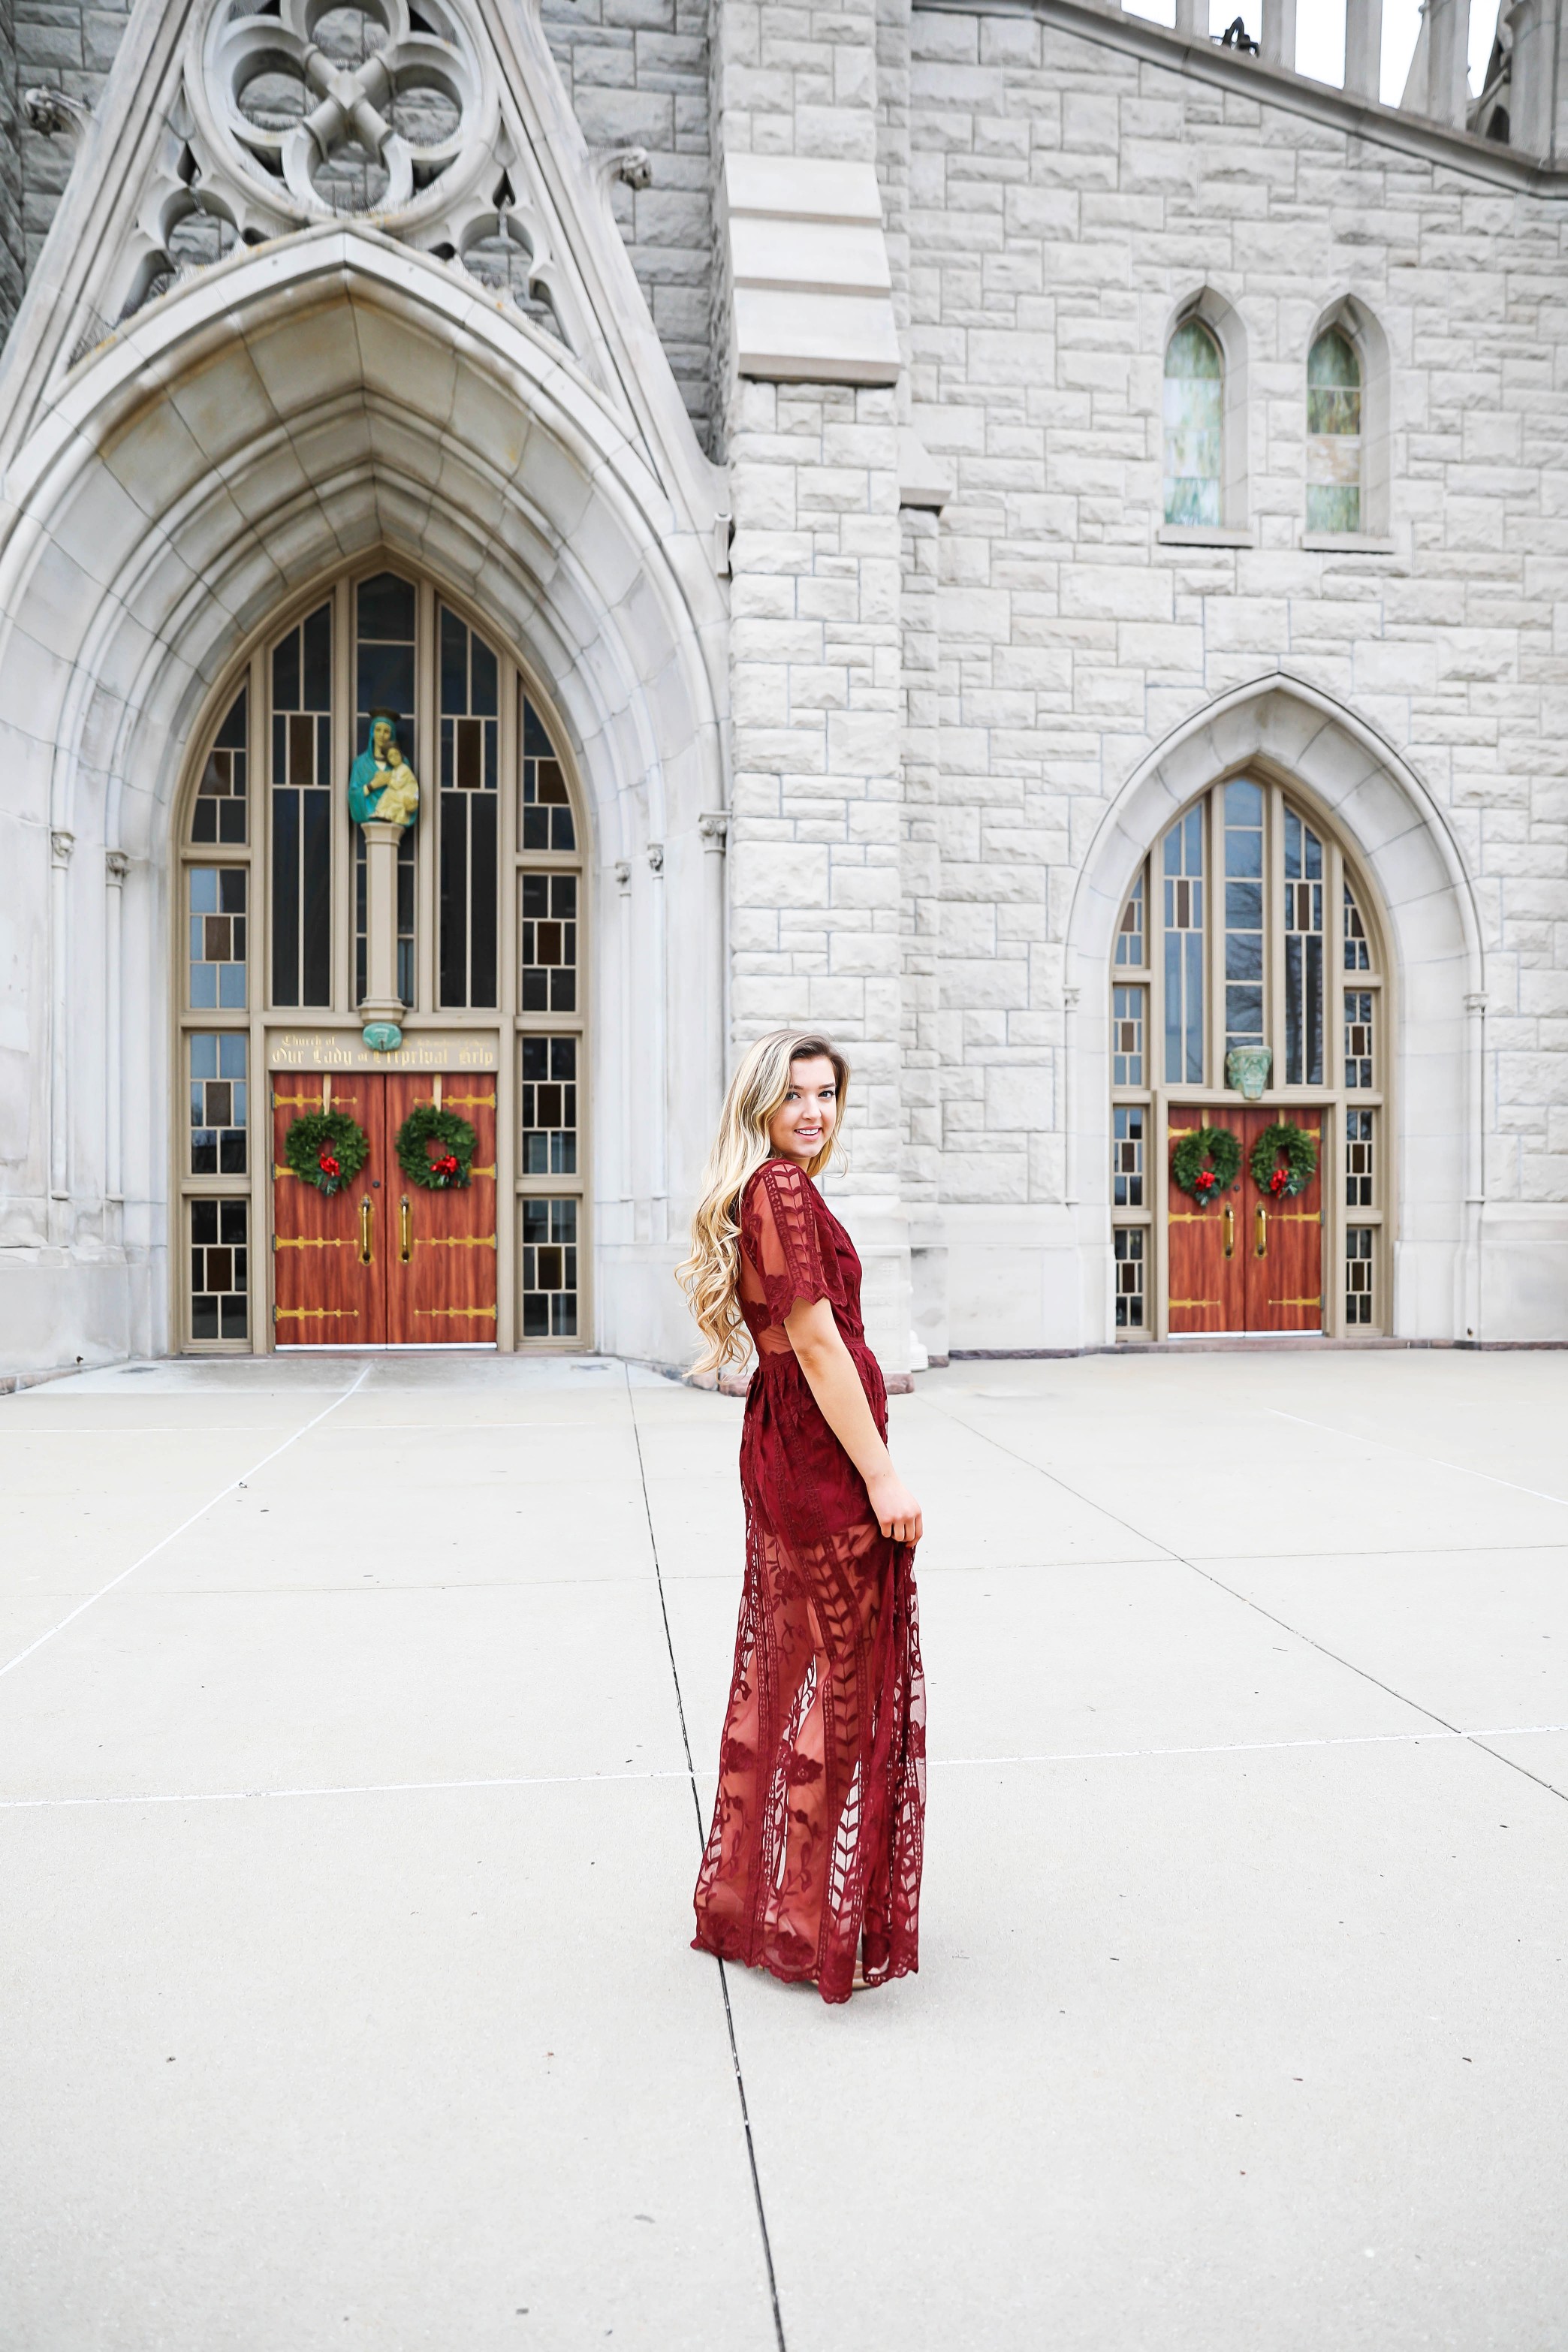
(380, 1004)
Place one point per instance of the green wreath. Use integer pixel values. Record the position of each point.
(326, 1148)
(435, 1149)
(1283, 1161)
(1203, 1162)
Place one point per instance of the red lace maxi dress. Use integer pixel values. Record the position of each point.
(817, 1834)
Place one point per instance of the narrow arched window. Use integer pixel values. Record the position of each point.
(1195, 399)
(1334, 434)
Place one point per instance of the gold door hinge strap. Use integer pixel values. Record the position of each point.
(305, 1241)
(454, 1241)
(485, 1314)
(315, 1314)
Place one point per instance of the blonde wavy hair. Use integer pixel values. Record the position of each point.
(711, 1275)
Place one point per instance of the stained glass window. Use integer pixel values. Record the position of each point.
(1334, 434)
(546, 805)
(220, 811)
(1359, 1263)
(549, 942)
(1303, 953)
(218, 1065)
(470, 727)
(550, 1106)
(549, 1269)
(217, 898)
(1127, 1156)
(1181, 860)
(1193, 406)
(1127, 1040)
(1129, 1277)
(1243, 914)
(302, 812)
(384, 687)
(1358, 1037)
(1130, 950)
(1358, 1160)
(219, 1304)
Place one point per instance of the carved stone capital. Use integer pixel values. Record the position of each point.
(628, 164)
(713, 827)
(116, 866)
(54, 112)
(623, 871)
(61, 844)
(656, 857)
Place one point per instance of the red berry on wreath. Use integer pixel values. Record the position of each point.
(446, 1166)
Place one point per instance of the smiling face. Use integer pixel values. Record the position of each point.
(803, 1125)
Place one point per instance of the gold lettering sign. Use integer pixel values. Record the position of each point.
(344, 1049)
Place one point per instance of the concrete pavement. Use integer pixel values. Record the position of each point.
(347, 1837)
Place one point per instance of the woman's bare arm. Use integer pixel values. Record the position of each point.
(831, 1376)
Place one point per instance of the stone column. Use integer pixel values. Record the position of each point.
(1363, 49)
(61, 845)
(116, 865)
(1278, 46)
(382, 1005)
(1448, 28)
(1537, 80)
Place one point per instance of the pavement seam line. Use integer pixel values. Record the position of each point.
(701, 1840)
(938, 1763)
(1431, 1460)
(241, 1479)
(1267, 1615)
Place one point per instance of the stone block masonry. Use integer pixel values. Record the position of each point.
(637, 74)
(13, 259)
(1065, 198)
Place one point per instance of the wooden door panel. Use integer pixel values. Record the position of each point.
(441, 1272)
(1284, 1251)
(327, 1255)
(1207, 1271)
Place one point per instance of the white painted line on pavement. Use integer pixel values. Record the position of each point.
(154, 1549)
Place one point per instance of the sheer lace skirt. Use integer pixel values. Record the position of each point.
(815, 1845)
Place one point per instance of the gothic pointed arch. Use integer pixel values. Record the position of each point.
(1383, 890)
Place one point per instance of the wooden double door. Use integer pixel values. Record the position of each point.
(383, 1263)
(1246, 1261)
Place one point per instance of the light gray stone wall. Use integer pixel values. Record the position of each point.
(1064, 199)
(637, 73)
(60, 45)
(11, 244)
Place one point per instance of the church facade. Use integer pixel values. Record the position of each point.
(535, 546)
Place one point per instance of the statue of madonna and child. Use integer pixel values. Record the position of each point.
(382, 787)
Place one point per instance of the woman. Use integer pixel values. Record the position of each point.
(813, 1864)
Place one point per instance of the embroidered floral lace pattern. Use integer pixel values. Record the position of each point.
(817, 1829)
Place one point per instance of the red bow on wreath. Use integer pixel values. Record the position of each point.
(1207, 1180)
(329, 1164)
(1277, 1181)
(446, 1166)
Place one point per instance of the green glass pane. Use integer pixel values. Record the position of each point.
(1330, 411)
(1332, 361)
(1332, 507)
(1192, 351)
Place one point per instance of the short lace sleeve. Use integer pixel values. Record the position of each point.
(780, 1234)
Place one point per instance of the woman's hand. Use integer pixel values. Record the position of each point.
(898, 1513)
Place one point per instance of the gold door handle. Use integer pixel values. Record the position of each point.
(404, 1231)
(1260, 1243)
(365, 1213)
(1229, 1230)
